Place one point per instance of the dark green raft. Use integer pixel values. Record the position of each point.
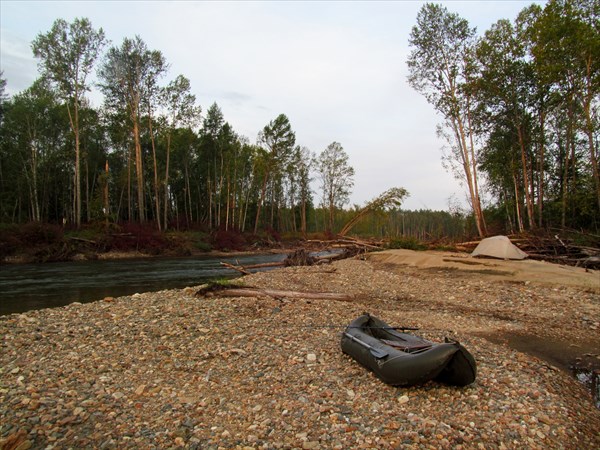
(403, 359)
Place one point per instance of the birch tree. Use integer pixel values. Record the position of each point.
(181, 110)
(67, 54)
(279, 140)
(441, 68)
(337, 178)
(125, 76)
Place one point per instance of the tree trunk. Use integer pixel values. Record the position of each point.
(139, 170)
(74, 122)
(303, 216)
(156, 187)
(541, 161)
(467, 164)
(526, 184)
(568, 151)
(87, 191)
(166, 205)
(260, 201)
(189, 195)
(105, 195)
(129, 181)
(479, 215)
(518, 204)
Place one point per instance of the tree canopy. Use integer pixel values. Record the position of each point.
(519, 107)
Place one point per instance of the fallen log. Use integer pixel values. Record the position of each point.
(87, 241)
(248, 291)
(238, 268)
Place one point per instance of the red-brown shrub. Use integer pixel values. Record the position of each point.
(229, 240)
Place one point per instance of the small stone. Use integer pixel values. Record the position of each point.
(25, 445)
(140, 390)
(311, 357)
(310, 445)
(403, 399)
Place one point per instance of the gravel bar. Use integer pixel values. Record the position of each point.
(170, 370)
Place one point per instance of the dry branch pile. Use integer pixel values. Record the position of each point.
(561, 250)
(334, 250)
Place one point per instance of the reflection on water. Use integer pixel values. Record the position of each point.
(591, 379)
(35, 286)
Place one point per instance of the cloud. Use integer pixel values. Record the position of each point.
(17, 63)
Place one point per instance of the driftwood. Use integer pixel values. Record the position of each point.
(87, 241)
(552, 248)
(248, 291)
(302, 257)
(238, 268)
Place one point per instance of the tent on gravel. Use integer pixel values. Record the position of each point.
(498, 247)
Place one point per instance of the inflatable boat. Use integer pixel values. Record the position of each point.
(403, 359)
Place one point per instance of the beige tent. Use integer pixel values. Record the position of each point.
(498, 247)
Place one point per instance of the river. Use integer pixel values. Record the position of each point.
(35, 286)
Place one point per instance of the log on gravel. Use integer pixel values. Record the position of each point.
(248, 291)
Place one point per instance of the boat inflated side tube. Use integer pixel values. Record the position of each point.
(402, 359)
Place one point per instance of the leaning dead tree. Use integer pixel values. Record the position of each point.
(391, 198)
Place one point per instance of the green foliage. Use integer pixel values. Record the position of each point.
(409, 243)
(337, 178)
(519, 106)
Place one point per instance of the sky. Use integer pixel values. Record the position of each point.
(336, 69)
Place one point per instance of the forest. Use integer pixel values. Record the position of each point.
(520, 107)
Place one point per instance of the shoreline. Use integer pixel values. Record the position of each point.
(116, 255)
(168, 369)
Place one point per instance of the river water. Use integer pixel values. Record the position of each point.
(35, 286)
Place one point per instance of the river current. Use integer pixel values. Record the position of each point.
(35, 286)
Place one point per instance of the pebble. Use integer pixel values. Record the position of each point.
(403, 399)
(166, 369)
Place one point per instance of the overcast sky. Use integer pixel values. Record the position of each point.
(336, 69)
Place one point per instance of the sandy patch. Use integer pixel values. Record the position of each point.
(527, 271)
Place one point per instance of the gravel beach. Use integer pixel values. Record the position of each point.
(171, 370)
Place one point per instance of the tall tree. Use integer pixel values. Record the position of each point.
(337, 178)
(506, 87)
(279, 140)
(181, 110)
(211, 153)
(303, 163)
(125, 76)
(441, 68)
(566, 49)
(67, 55)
